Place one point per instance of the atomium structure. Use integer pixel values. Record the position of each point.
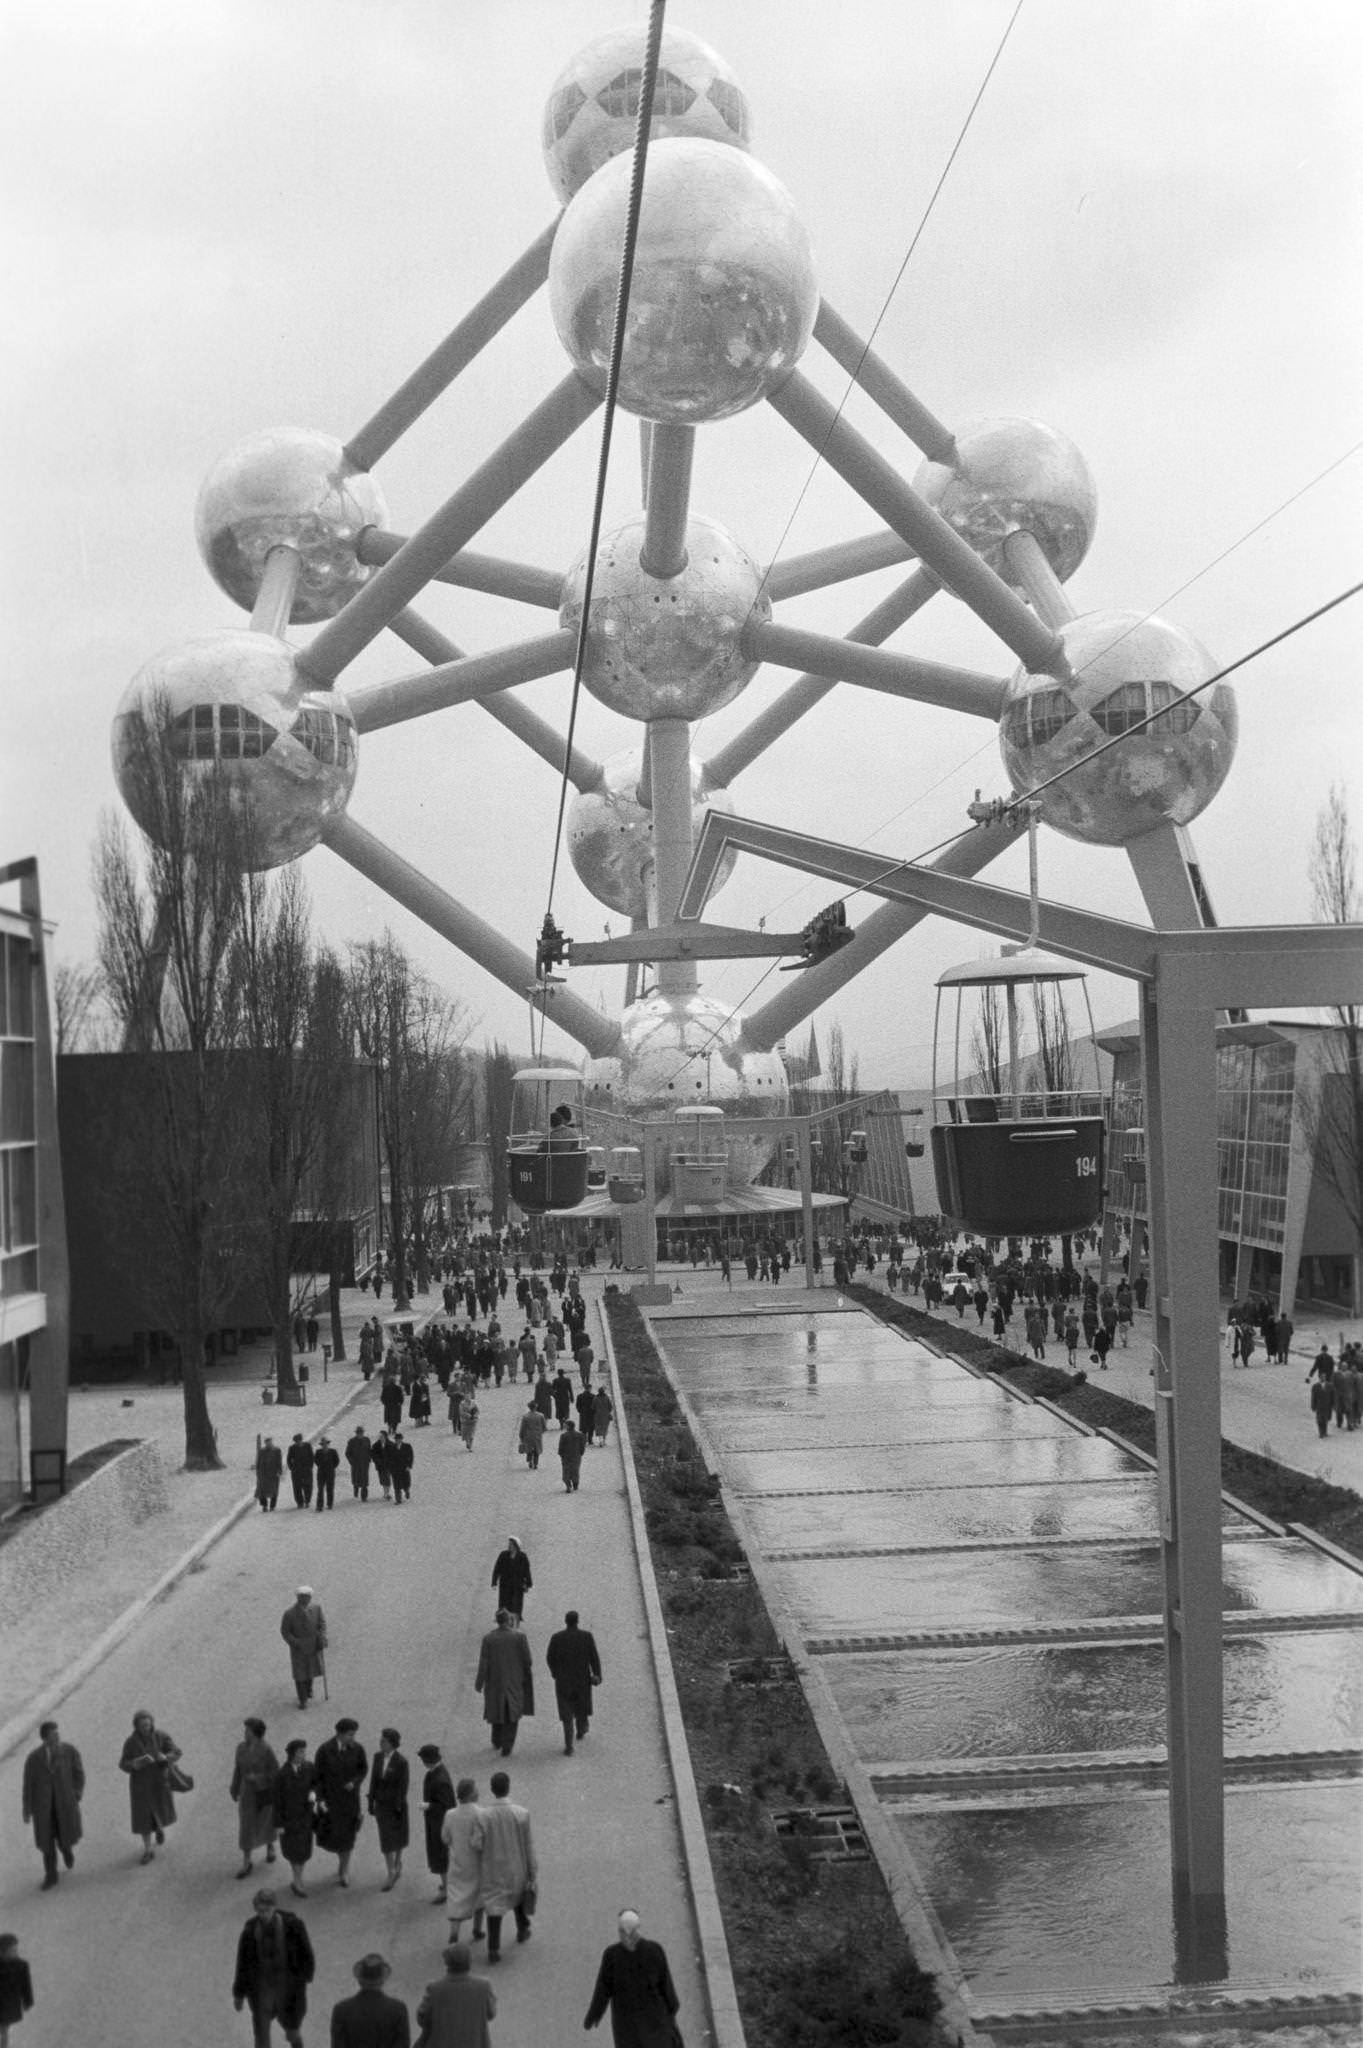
(724, 302)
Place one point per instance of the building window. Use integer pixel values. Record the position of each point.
(1037, 718)
(620, 99)
(1168, 710)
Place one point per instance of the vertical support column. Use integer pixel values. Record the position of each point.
(669, 774)
(1178, 1044)
(49, 1346)
(650, 1206)
(807, 1199)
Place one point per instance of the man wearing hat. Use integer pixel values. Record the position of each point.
(299, 1458)
(269, 1472)
(371, 2019)
(275, 1966)
(304, 1629)
(454, 2013)
(325, 1461)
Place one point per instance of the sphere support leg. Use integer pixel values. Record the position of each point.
(669, 777)
(669, 496)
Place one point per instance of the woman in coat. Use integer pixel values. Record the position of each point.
(388, 1782)
(437, 1797)
(511, 1577)
(341, 1766)
(419, 1406)
(254, 1771)
(601, 1413)
(294, 1811)
(147, 1756)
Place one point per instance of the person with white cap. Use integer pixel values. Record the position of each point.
(635, 1982)
(304, 1629)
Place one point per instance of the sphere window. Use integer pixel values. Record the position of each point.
(730, 105)
(1128, 705)
(562, 111)
(329, 738)
(220, 732)
(620, 99)
(1034, 720)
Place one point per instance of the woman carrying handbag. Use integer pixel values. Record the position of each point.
(150, 1757)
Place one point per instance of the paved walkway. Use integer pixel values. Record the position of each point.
(407, 1596)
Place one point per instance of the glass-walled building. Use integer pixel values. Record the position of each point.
(1284, 1230)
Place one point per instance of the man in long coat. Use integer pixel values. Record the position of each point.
(575, 1668)
(304, 1629)
(509, 1868)
(636, 1983)
(298, 1458)
(269, 1472)
(275, 1966)
(340, 1771)
(371, 2019)
(505, 1680)
(358, 1452)
(571, 1444)
(54, 1782)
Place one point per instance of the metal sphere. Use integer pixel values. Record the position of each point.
(288, 487)
(1125, 667)
(610, 834)
(592, 111)
(723, 294)
(1015, 476)
(667, 647)
(233, 701)
(677, 1051)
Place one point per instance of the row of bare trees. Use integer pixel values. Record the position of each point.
(257, 1051)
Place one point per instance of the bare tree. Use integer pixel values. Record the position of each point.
(498, 1075)
(300, 1060)
(1053, 1064)
(989, 1041)
(171, 1206)
(1333, 1109)
(76, 997)
(413, 1034)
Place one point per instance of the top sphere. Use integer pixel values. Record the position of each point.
(1015, 476)
(591, 114)
(288, 487)
(722, 297)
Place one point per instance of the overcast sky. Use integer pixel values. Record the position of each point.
(223, 215)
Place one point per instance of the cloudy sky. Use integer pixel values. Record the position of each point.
(223, 215)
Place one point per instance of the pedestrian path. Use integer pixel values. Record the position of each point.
(407, 1597)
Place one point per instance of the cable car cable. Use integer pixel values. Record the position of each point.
(648, 81)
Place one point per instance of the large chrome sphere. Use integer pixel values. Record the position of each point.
(610, 834)
(667, 647)
(594, 106)
(1125, 667)
(723, 295)
(288, 487)
(677, 1051)
(233, 700)
(1015, 476)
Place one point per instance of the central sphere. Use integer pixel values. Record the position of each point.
(678, 1051)
(1125, 667)
(667, 647)
(231, 702)
(722, 298)
(610, 834)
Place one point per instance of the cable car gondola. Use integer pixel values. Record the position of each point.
(700, 1167)
(547, 1156)
(596, 1166)
(913, 1144)
(625, 1183)
(1015, 1161)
